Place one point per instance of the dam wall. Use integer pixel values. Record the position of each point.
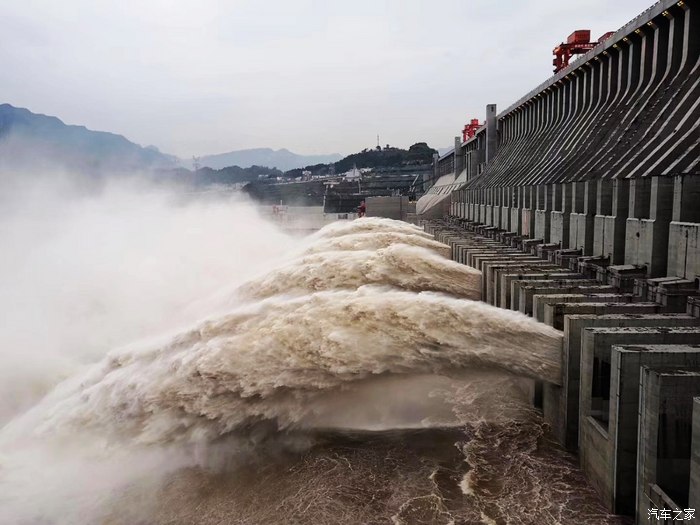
(580, 205)
(618, 325)
(602, 157)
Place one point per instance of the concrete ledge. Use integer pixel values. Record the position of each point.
(568, 430)
(554, 314)
(527, 293)
(611, 466)
(507, 279)
(584, 294)
(517, 285)
(495, 272)
(665, 436)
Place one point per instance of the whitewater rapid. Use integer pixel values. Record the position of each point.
(398, 266)
(374, 240)
(365, 326)
(270, 359)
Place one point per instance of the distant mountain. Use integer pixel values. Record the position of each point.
(224, 177)
(33, 141)
(282, 159)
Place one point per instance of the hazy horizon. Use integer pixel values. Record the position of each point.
(212, 77)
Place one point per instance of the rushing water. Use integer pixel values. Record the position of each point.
(359, 381)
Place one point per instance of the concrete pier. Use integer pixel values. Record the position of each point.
(606, 327)
(665, 441)
(608, 418)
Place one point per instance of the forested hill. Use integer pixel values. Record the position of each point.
(418, 154)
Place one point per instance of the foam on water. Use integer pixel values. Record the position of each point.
(399, 266)
(376, 240)
(271, 359)
(262, 413)
(368, 225)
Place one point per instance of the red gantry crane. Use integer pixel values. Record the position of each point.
(579, 42)
(470, 129)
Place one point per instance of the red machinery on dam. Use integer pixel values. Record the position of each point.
(577, 44)
(470, 129)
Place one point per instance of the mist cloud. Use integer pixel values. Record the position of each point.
(83, 272)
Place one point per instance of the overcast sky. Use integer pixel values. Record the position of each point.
(197, 77)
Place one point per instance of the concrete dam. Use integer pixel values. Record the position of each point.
(579, 205)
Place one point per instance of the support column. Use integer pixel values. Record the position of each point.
(581, 221)
(515, 215)
(491, 132)
(618, 221)
(684, 230)
(459, 158)
(528, 203)
(543, 212)
(646, 238)
(488, 208)
(559, 221)
(506, 201)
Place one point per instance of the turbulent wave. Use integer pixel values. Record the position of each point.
(502, 473)
(369, 225)
(356, 383)
(376, 241)
(270, 361)
(401, 266)
(536, 483)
